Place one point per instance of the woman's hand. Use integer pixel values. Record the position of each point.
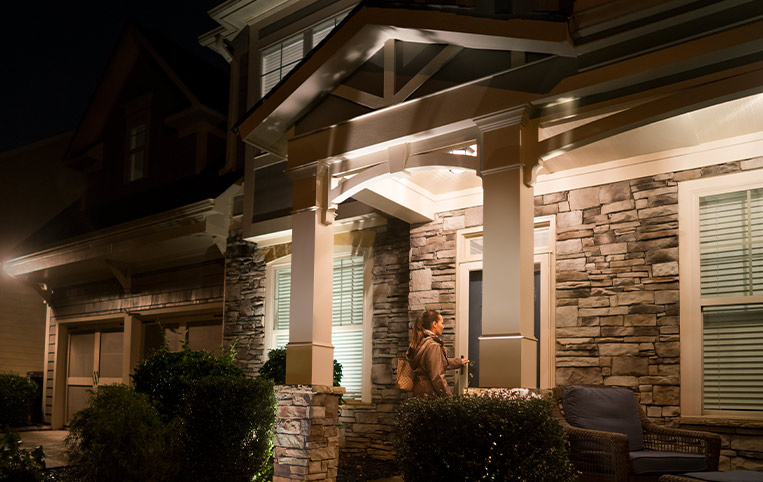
(464, 361)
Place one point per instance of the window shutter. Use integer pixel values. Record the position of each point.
(731, 244)
(733, 360)
(348, 350)
(282, 296)
(731, 265)
(348, 291)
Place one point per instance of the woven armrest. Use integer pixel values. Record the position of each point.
(657, 437)
(597, 452)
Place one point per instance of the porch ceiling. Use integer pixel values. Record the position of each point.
(728, 120)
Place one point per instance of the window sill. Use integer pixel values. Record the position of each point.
(724, 421)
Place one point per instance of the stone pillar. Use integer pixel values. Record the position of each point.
(306, 442)
(508, 356)
(309, 353)
(244, 316)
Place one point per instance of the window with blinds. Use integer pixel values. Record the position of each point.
(347, 318)
(731, 269)
(278, 60)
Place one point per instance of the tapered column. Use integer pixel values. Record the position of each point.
(309, 353)
(508, 356)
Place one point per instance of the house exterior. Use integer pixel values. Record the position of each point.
(573, 184)
(27, 170)
(140, 251)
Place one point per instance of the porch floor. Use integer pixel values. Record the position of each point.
(52, 442)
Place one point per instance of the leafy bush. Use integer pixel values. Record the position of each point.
(494, 437)
(119, 437)
(17, 395)
(166, 376)
(225, 428)
(20, 465)
(275, 368)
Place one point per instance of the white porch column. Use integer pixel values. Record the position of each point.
(508, 356)
(309, 353)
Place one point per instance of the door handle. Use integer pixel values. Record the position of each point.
(95, 378)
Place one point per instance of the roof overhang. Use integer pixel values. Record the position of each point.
(361, 35)
(193, 233)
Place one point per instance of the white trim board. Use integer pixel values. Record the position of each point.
(727, 150)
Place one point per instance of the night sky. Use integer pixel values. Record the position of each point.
(54, 53)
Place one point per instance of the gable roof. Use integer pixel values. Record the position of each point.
(363, 32)
(201, 83)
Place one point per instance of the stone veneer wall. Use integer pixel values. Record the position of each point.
(617, 292)
(368, 428)
(306, 438)
(184, 286)
(244, 318)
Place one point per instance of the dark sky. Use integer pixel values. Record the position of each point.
(54, 52)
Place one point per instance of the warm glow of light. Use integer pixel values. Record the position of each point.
(465, 151)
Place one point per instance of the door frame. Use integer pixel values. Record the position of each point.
(544, 255)
(131, 338)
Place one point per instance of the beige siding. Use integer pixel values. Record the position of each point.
(22, 328)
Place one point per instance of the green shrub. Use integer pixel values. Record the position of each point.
(17, 395)
(166, 376)
(275, 368)
(225, 428)
(119, 437)
(20, 465)
(481, 438)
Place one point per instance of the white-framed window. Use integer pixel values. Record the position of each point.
(277, 60)
(351, 304)
(721, 288)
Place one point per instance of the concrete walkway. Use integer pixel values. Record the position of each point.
(52, 442)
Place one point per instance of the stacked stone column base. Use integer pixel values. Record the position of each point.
(306, 442)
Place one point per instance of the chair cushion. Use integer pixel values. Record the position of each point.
(655, 462)
(730, 476)
(605, 409)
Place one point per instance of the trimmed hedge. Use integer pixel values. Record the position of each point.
(166, 376)
(17, 396)
(481, 438)
(226, 428)
(119, 437)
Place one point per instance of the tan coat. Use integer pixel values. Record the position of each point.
(429, 363)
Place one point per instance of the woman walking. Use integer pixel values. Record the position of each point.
(427, 356)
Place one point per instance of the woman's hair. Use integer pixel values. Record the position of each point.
(424, 322)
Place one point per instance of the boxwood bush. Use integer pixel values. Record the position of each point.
(481, 438)
(225, 428)
(17, 396)
(118, 437)
(166, 376)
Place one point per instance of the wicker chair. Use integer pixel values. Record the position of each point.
(604, 456)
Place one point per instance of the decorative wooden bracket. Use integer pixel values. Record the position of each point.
(391, 96)
(42, 289)
(122, 272)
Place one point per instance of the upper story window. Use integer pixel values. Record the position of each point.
(277, 60)
(137, 112)
(136, 151)
(721, 263)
